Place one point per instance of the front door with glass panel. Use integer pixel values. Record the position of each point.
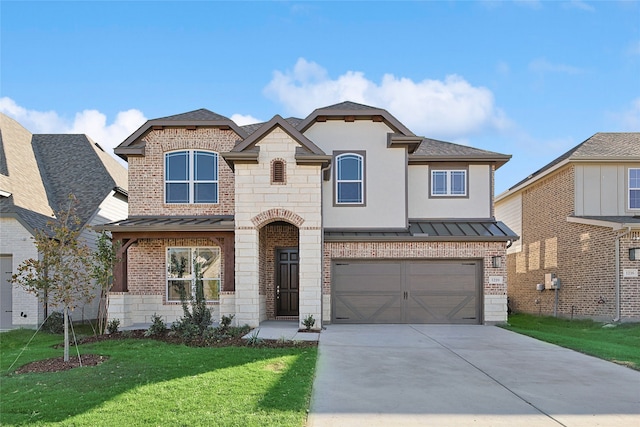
(287, 288)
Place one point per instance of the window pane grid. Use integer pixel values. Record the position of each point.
(449, 183)
(634, 188)
(181, 275)
(191, 177)
(349, 179)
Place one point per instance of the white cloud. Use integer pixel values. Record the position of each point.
(451, 108)
(542, 65)
(241, 119)
(90, 122)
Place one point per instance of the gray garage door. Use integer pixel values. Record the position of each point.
(406, 291)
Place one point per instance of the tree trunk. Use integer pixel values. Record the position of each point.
(66, 333)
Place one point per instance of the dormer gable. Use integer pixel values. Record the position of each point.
(134, 145)
(247, 150)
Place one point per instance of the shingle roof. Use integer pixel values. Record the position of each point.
(293, 121)
(435, 148)
(601, 146)
(71, 164)
(43, 169)
(201, 114)
(348, 105)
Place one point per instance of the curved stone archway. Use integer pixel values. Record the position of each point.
(277, 214)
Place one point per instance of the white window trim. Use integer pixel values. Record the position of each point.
(630, 188)
(360, 181)
(449, 173)
(191, 181)
(192, 250)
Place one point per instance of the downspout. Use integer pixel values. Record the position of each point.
(618, 237)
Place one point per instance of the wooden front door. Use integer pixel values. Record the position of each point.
(287, 282)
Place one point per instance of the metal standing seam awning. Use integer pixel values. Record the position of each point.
(448, 230)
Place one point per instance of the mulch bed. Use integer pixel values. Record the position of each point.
(57, 364)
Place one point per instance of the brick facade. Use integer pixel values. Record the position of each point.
(147, 280)
(146, 173)
(582, 256)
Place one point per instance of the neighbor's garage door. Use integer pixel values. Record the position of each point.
(406, 291)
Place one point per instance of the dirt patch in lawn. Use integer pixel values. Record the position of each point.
(58, 364)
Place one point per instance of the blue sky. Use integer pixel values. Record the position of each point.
(526, 78)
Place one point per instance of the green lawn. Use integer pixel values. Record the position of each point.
(618, 343)
(147, 382)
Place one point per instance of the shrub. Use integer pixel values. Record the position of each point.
(197, 316)
(158, 327)
(113, 325)
(308, 322)
(54, 323)
(254, 340)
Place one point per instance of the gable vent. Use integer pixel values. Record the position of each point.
(277, 172)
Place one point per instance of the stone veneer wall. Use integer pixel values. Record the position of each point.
(495, 295)
(146, 173)
(147, 283)
(259, 203)
(582, 256)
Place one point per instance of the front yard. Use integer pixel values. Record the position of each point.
(147, 382)
(619, 343)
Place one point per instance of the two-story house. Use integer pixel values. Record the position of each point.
(579, 219)
(345, 215)
(38, 172)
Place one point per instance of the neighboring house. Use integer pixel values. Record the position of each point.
(578, 218)
(37, 174)
(345, 215)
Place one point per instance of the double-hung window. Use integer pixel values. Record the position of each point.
(187, 268)
(634, 188)
(350, 179)
(452, 183)
(191, 177)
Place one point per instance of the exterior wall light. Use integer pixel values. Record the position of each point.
(496, 261)
(634, 254)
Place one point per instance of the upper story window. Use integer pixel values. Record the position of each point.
(349, 179)
(634, 188)
(451, 183)
(191, 177)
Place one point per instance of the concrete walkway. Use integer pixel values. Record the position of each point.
(282, 330)
(450, 375)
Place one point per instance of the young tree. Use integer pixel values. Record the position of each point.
(104, 261)
(61, 274)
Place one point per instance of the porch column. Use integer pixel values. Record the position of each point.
(247, 298)
(310, 297)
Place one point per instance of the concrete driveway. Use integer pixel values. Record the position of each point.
(450, 375)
